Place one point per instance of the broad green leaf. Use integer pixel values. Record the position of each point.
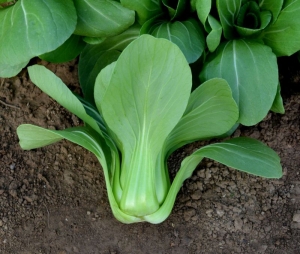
(273, 6)
(102, 18)
(228, 11)
(211, 112)
(69, 50)
(277, 106)
(284, 35)
(95, 57)
(33, 137)
(49, 83)
(213, 39)
(244, 154)
(175, 8)
(31, 28)
(145, 9)
(251, 70)
(157, 83)
(187, 35)
(7, 71)
(203, 8)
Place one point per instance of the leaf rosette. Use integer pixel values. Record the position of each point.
(276, 23)
(145, 111)
(248, 18)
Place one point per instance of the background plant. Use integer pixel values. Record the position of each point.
(253, 34)
(55, 30)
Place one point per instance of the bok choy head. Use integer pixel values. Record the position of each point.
(144, 111)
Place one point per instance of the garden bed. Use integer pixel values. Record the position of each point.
(53, 199)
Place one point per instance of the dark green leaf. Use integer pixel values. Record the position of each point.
(102, 18)
(145, 9)
(273, 6)
(95, 57)
(187, 35)
(228, 12)
(175, 7)
(284, 35)
(69, 50)
(277, 106)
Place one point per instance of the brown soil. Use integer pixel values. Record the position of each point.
(53, 199)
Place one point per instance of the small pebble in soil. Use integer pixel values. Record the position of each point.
(296, 217)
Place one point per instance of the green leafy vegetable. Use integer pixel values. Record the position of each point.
(144, 112)
(40, 26)
(255, 32)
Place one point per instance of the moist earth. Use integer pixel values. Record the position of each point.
(53, 199)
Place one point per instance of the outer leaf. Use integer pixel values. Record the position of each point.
(41, 26)
(245, 154)
(96, 57)
(228, 11)
(69, 50)
(102, 18)
(7, 71)
(33, 137)
(55, 88)
(157, 83)
(187, 35)
(284, 35)
(211, 112)
(145, 9)
(244, 64)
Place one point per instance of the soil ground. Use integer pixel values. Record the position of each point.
(53, 199)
